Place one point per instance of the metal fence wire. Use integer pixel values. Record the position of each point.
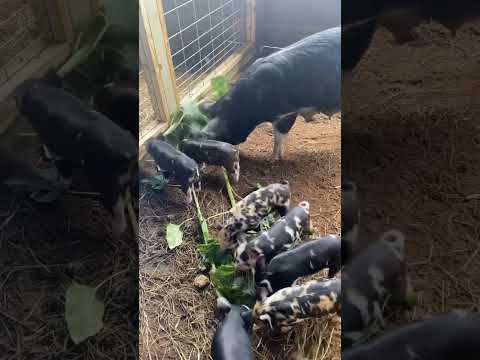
(202, 34)
(20, 40)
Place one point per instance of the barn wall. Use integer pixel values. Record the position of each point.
(283, 22)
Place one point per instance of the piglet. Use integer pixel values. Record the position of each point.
(309, 258)
(455, 335)
(279, 238)
(232, 338)
(252, 209)
(177, 167)
(214, 153)
(295, 304)
(376, 272)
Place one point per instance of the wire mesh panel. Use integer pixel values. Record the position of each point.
(202, 34)
(20, 39)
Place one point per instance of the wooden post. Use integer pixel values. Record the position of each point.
(156, 59)
(251, 21)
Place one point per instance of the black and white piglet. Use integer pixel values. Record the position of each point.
(455, 335)
(176, 166)
(279, 87)
(232, 338)
(213, 152)
(279, 238)
(295, 304)
(309, 258)
(77, 136)
(249, 212)
(375, 273)
(350, 220)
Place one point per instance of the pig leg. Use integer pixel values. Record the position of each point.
(236, 172)
(188, 191)
(281, 128)
(114, 200)
(119, 222)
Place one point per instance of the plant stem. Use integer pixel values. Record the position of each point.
(229, 188)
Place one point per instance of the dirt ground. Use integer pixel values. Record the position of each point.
(177, 321)
(410, 139)
(43, 248)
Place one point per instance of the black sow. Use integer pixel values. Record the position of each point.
(300, 79)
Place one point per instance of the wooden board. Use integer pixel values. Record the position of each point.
(51, 57)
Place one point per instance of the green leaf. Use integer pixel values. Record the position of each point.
(204, 228)
(174, 236)
(156, 183)
(186, 122)
(220, 87)
(308, 232)
(268, 221)
(236, 289)
(191, 110)
(212, 254)
(83, 312)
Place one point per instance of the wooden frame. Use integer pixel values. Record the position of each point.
(156, 57)
(55, 17)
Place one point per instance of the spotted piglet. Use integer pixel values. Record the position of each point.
(213, 152)
(232, 338)
(249, 212)
(309, 258)
(454, 335)
(375, 273)
(177, 167)
(279, 238)
(292, 305)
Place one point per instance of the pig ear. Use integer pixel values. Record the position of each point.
(247, 317)
(223, 305)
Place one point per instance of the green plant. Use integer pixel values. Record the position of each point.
(174, 236)
(238, 289)
(220, 87)
(83, 312)
(186, 123)
(156, 182)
